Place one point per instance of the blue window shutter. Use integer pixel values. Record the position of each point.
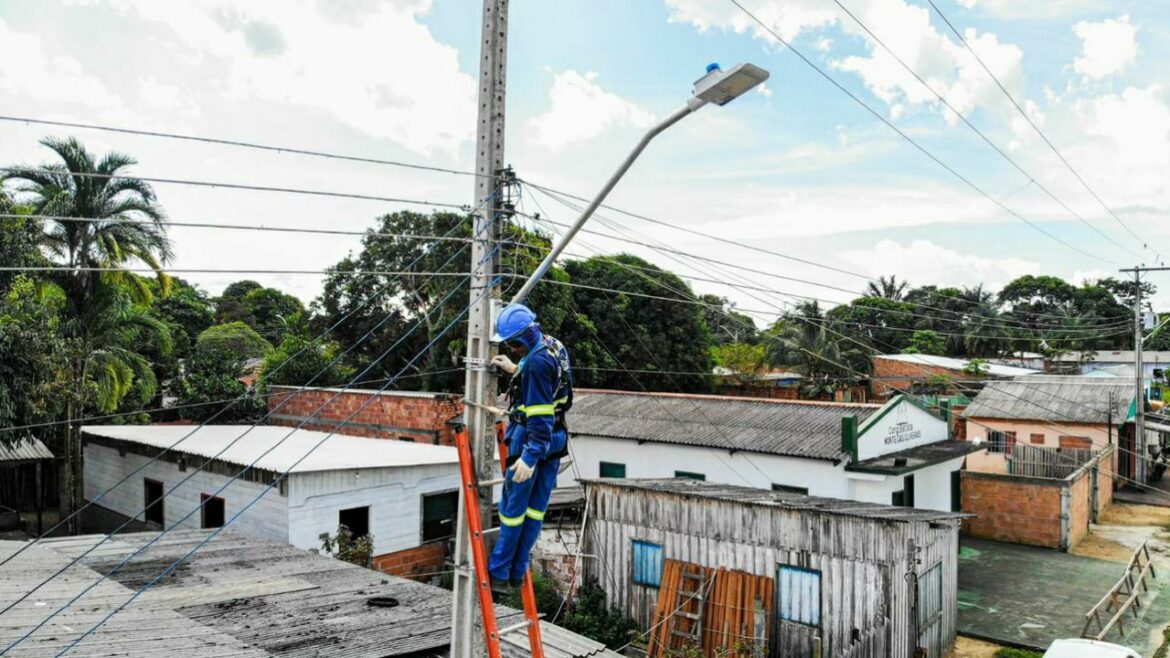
(800, 595)
(647, 564)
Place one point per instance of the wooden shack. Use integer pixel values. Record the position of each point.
(844, 578)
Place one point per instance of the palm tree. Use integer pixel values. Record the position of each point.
(885, 288)
(123, 225)
(803, 340)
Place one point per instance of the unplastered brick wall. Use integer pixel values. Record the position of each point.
(891, 376)
(419, 417)
(1012, 509)
(555, 556)
(1079, 506)
(421, 562)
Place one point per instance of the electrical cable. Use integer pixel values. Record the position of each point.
(240, 186)
(237, 515)
(984, 137)
(970, 183)
(268, 488)
(1028, 119)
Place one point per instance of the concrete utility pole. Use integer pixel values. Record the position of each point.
(481, 380)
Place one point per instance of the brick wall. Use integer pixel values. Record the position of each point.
(891, 376)
(1012, 509)
(1105, 479)
(421, 562)
(421, 417)
(555, 556)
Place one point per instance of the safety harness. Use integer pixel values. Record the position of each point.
(557, 408)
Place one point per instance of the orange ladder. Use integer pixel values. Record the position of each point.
(471, 504)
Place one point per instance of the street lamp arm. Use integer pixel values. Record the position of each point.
(692, 104)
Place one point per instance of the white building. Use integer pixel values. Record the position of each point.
(404, 494)
(897, 453)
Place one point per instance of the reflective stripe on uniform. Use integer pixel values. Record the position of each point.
(539, 409)
(535, 514)
(512, 521)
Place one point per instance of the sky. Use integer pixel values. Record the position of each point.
(796, 168)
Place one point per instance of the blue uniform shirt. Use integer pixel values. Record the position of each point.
(540, 393)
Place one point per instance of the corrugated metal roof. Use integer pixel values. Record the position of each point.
(338, 452)
(763, 497)
(1077, 399)
(237, 596)
(24, 449)
(950, 363)
(779, 427)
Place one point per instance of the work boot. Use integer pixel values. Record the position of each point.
(501, 585)
(516, 583)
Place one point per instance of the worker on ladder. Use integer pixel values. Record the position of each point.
(540, 393)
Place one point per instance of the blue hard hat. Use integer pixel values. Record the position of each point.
(513, 320)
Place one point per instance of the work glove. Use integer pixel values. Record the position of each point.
(502, 362)
(521, 471)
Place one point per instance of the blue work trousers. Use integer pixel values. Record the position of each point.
(522, 509)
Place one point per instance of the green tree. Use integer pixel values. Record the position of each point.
(31, 355)
(726, 324)
(104, 321)
(925, 341)
(805, 340)
(380, 309)
(884, 324)
(890, 288)
(235, 339)
(303, 361)
(632, 330)
(746, 362)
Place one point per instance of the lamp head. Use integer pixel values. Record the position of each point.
(721, 87)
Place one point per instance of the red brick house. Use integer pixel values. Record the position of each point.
(414, 416)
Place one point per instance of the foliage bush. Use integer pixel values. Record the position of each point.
(1010, 652)
(345, 547)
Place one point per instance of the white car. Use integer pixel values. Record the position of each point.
(1088, 649)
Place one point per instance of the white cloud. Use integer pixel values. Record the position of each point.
(382, 72)
(1030, 9)
(167, 97)
(763, 90)
(923, 261)
(581, 110)
(1127, 154)
(1108, 47)
(905, 27)
(32, 73)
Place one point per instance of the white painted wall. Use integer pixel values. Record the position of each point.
(394, 496)
(104, 467)
(932, 485)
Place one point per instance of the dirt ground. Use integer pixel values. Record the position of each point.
(966, 647)
(1123, 528)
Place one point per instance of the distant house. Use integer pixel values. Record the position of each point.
(403, 494)
(896, 453)
(913, 373)
(790, 575)
(1086, 363)
(240, 596)
(1054, 411)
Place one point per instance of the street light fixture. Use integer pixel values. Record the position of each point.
(716, 87)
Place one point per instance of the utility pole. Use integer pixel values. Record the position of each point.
(1139, 415)
(1139, 406)
(480, 380)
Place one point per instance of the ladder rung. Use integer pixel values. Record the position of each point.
(515, 627)
(491, 531)
(693, 576)
(491, 483)
(687, 635)
(689, 615)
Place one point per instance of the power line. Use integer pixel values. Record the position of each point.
(241, 227)
(914, 142)
(985, 138)
(240, 186)
(1006, 323)
(66, 268)
(561, 196)
(1032, 123)
(229, 142)
(219, 491)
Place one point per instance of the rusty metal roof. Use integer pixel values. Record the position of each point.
(24, 449)
(779, 427)
(778, 499)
